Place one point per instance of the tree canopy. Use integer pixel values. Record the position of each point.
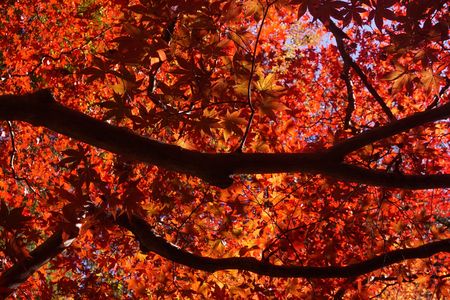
(225, 149)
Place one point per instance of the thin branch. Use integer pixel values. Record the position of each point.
(12, 159)
(54, 245)
(40, 109)
(350, 96)
(340, 293)
(409, 278)
(339, 36)
(156, 244)
(67, 52)
(377, 296)
(370, 136)
(441, 93)
(249, 86)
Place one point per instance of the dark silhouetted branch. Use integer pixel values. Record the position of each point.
(249, 85)
(350, 96)
(40, 109)
(391, 129)
(20, 271)
(441, 93)
(151, 242)
(339, 35)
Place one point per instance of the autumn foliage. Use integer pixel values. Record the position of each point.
(225, 149)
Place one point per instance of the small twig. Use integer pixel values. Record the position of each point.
(193, 211)
(13, 147)
(439, 96)
(383, 290)
(250, 79)
(339, 36)
(340, 293)
(194, 109)
(12, 158)
(246, 46)
(47, 56)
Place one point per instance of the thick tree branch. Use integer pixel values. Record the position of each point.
(19, 272)
(40, 109)
(151, 242)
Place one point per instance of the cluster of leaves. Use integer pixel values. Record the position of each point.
(218, 76)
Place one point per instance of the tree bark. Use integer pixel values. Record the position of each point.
(22, 270)
(40, 109)
(150, 242)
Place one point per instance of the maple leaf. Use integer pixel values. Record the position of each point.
(231, 10)
(253, 7)
(117, 108)
(73, 157)
(206, 123)
(95, 74)
(268, 86)
(401, 77)
(242, 87)
(232, 124)
(138, 286)
(320, 9)
(382, 11)
(14, 218)
(430, 81)
(265, 82)
(172, 162)
(353, 12)
(268, 106)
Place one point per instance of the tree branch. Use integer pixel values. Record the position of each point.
(40, 109)
(19, 272)
(350, 96)
(339, 35)
(391, 129)
(249, 85)
(156, 244)
(441, 93)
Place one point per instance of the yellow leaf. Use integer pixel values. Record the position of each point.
(430, 81)
(141, 256)
(231, 124)
(268, 85)
(241, 88)
(265, 83)
(401, 77)
(119, 88)
(253, 7)
(269, 106)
